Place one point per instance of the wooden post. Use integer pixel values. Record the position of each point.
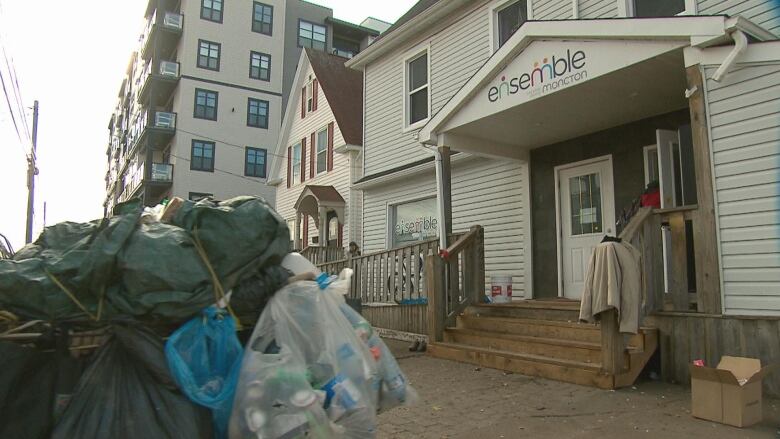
(434, 270)
(612, 348)
(678, 284)
(445, 190)
(704, 230)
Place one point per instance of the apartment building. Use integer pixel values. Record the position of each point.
(202, 102)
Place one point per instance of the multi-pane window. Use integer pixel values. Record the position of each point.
(417, 89)
(585, 193)
(322, 151)
(295, 163)
(206, 104)
(208, 55)
(257, 113)
(263, 18)
(311, 35)
(260, 66)
(254, 164)
(202, 157)
(211, 10)
(509, 19)
(658, 8)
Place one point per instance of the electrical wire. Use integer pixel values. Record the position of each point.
(243, 177)
(241, 147)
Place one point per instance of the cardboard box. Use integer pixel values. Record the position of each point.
(729, 394)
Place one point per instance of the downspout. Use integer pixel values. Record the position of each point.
(740, 45)
(439, 197)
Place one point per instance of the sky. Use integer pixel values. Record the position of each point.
(72, 60)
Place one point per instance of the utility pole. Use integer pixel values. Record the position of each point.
(32, 171)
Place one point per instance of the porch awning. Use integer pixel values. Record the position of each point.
(314, 197)
(553, 81)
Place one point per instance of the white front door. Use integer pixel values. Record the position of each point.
(586, 213)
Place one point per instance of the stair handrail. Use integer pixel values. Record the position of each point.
(456, 280)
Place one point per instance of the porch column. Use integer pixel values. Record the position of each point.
(297, 242)
(323, 226)
(704, 229)
(444, 194)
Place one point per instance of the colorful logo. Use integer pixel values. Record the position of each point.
(550, 74)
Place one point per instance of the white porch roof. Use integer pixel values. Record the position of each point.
(556, 80)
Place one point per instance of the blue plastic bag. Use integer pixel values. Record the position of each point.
(204, 357)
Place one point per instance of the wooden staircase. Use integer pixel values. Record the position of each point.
(543, 339)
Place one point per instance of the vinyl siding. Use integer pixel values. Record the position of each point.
(552, 9)
(456, 53)
(338, 177)
(765, 13)
(487, 192)
(598, 8)
(745, 122)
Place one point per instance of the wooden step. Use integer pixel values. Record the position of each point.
(586, 374)
(532, 327)
(532, 310)
(561, 348)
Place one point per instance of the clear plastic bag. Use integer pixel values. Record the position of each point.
(204, 357)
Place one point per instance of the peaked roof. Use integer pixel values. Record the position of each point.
(414, 11)
(343, 88)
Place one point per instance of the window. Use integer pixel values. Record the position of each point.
(585, 202)
(211, 10)
(197, 196)
(254, 165)
(509, 19)
(658, 8)
(310, 96)
(206, 104)
(296, 163)
(202, 157)
(322, 151)
(417, 89)
(260, 66)
(208, 55)
(651, 164)
(311, 35)
(257, 113)
(345, 48)
(263, 18)
(413, 221)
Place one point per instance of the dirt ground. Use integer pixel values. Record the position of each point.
(462, 401)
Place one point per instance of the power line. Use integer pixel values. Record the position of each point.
(223, 171)
(241, 147)
(10, 109)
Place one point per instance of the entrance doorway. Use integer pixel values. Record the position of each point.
(585, 212)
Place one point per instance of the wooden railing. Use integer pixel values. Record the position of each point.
(323, 255)
(456, 279)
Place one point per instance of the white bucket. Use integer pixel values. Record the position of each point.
(501, 289)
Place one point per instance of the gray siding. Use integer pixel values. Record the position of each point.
(765, 13)
(474, 201)
(745, 122)
(598, 8)
(455, 55)
(552, 9)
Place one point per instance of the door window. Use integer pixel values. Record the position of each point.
(585, 193)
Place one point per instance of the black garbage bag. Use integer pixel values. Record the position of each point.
(253, 293)
(128, 393)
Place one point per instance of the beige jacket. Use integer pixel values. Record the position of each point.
(613, 280)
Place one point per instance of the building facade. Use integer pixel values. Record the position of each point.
(202, 103)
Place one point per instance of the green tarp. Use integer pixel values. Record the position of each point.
(147, 270)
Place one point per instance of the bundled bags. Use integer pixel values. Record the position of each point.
(310, 370)
(204, 357)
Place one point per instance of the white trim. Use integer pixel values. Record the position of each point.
(300, 180)
(767, 52)
(410, 55)
(346, 148)
(391, 218)
(558, 232)
(528, 250)
(408, 172)
(715, 203)
(495, 7)
(627, 8)
(575, 9)
(646, 154)
(279, 161)
(317, 152)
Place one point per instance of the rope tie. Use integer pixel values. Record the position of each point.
(219, 292)
(73, 297)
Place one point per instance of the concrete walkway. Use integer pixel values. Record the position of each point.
(462, 401)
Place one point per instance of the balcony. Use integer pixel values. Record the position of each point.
(153, 129)
(162, 173)
(158, 83)
(162, 34)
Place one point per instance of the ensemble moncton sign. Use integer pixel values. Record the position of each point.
(548, 74)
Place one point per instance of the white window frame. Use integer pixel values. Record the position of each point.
(423, 49)
(493, 11)
(317, 150)
(648, 150)
(626, 8)
(310, 95)
(391, 214)
(296, 167)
